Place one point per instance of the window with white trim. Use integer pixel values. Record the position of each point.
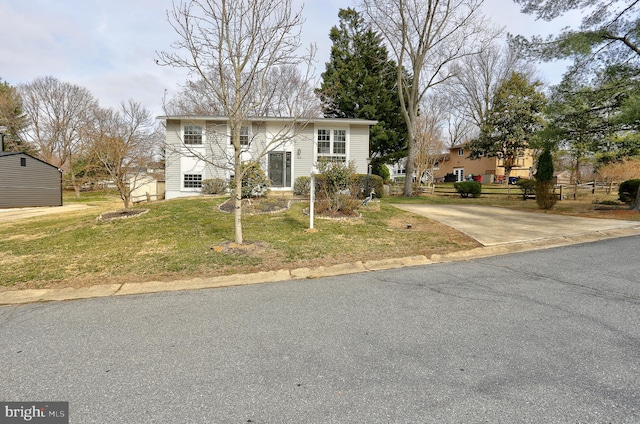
(460, 152)
(192, 134)
(192, 180)
(332, 144)
(244, 136)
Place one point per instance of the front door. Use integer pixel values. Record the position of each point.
(280, 169)
(459, 173)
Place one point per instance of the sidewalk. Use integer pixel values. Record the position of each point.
(500, 231)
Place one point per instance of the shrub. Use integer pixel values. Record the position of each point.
(628, 190)
(545, 197)
(374, 182)
(527, 186)
(302, 186)
(214, 186)
(335, 184)
(255, 182)
(380, 169)
(466, 188)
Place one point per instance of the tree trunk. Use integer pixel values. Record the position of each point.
(636, 204)
(409, 168)
(76, 186)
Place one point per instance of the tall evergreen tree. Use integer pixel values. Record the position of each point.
(361, 82)
(12, 118)
(609, 32)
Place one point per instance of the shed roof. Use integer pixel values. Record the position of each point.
(5, 154)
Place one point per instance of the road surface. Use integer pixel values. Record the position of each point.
(546, 336)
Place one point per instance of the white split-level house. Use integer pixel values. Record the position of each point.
(191, 138)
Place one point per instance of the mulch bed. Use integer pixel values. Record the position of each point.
(257, 206)
(122, 214)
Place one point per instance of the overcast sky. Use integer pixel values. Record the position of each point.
(109, 46)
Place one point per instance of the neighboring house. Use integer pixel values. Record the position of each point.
(398, 172)
(345, 140)
(489, 169)
(147, 187)
(26, 181)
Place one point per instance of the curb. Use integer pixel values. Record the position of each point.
(16, 297)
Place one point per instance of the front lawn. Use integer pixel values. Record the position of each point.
(186, 238)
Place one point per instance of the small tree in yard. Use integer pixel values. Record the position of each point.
(124, 141)
(545, 198)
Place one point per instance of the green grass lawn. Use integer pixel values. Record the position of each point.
(185, 238)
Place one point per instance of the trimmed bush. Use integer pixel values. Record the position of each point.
(466, 188)
(545, 198)
(527, 186)
(214, 186)
(302, 186)
(628, 190)
(375, 183)
(255, 182)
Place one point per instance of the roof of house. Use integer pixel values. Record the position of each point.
(274, 119)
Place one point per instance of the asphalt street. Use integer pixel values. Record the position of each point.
(544, 336)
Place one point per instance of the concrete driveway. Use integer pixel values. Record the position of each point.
(493, 226)
(20, 213)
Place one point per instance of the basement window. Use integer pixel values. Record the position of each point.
(192, 180)
(23, 161)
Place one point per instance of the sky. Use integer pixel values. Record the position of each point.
(110, 46)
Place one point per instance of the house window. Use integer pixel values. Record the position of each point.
(244, 136)
(23, 161)
(192, 180)
(332, 145)
(192, 134)
(460, 152)
(340, 142)
(324, 142)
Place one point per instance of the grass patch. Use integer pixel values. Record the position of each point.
(186, 238)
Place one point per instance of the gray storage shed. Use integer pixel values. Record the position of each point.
(26, 181)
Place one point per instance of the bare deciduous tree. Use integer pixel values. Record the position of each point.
(476, 78)
(429, 141)
(58, 114)
(125, 142)
(235, 50)
(427, 38)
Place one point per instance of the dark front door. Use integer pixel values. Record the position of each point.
(280, 169)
